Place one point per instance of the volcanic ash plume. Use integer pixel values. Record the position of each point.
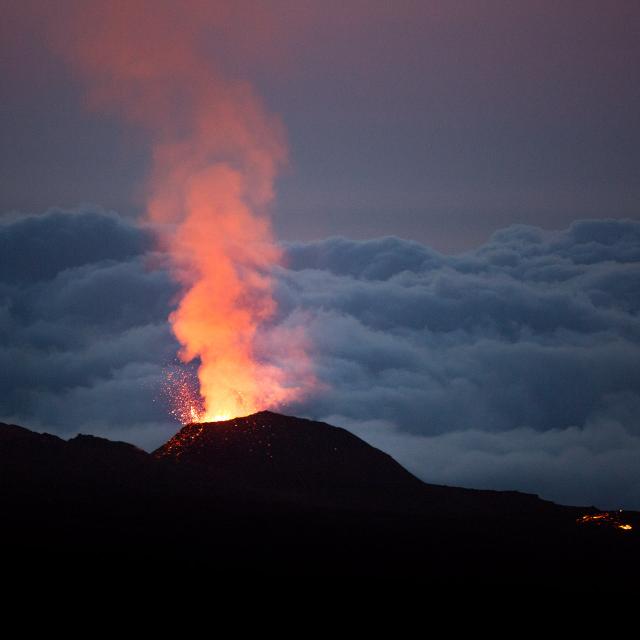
(215, 154)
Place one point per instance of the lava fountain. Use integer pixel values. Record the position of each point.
(215, 154)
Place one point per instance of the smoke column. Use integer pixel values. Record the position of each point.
(215, 155)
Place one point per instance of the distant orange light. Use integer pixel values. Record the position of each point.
(605, 518)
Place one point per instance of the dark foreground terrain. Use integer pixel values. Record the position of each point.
(274, 494)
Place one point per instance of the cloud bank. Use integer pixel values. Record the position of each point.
(512, 366)
(84, 337)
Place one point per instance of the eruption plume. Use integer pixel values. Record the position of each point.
(215, 155)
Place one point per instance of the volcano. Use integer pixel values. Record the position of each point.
(291, 458)
(286, 458)
(279, 494)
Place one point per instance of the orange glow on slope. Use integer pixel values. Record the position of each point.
(215, 155)
(606, 519)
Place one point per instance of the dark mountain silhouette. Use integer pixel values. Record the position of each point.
(288, 458)
(279, 494)
(279, 452)
(41, 464)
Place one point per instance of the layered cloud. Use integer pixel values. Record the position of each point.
(83, 326)
(514, 365)
(511, 366)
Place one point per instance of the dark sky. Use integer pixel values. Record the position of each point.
(459, 216)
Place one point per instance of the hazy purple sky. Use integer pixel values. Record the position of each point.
(436, 121)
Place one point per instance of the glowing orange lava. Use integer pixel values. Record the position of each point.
(185, 403)
(215, 155)
(606, 519)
